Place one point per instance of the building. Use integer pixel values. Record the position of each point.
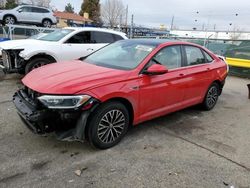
(71, 19)
(216, 35)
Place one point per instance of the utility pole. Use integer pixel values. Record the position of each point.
(120, 25)
(131, 27)
(172, 24)
(126, 24)
(126, 20)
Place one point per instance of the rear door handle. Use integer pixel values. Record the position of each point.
(181, 74)
(208, 69)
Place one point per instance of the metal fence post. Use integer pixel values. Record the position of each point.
(248, 85)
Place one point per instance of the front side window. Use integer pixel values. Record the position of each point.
(123, 55)
(56, 35)
(102, 37)
(170, 57)
(25, 9)
(194, 56)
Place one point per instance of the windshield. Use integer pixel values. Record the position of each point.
(37, 36)
(124, 55)
(56, 35)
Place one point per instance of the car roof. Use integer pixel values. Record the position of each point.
(95, 29)
(153, 42)
(158, 42)
(28, 5)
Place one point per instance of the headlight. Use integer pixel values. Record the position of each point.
(63, 102)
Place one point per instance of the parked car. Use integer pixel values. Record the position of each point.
(123, 84)
(70, 43)
(28, 14)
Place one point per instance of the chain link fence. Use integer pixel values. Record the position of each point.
(22, 32)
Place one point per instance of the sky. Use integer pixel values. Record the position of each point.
(218, 14)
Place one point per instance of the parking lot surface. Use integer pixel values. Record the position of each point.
(190, 148)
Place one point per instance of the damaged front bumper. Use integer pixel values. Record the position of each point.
(68, 125)
(11, 62)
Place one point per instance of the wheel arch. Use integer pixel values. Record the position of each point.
(47, 19)
(10, 15)
(43, 55)
(127, 104)
(124, 101)
(220, 83)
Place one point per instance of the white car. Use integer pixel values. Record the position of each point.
(28, 14)
(22, 56)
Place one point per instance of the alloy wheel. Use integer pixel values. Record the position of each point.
(9, 20)
(212, 96)
(37, 65)
(111, 126)
(46, 23)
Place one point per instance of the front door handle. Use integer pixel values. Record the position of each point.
(181, 74)
(90, 49)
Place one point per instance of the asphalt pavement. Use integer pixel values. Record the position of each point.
(190, 148)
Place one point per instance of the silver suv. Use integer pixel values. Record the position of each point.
(28, 14)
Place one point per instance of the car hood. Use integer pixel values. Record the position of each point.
(71, 77)
(19, 44)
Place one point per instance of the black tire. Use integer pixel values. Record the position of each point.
(36, 63)
(9, 20)
(103, 134)
(47, 23)
(211, 97)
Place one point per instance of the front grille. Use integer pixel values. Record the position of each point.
(6, 59)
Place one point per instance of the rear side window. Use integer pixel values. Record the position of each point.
(117, 37)
(45, 10)
(194, 56)
(102, 37)
(208, 57)
(39, 10)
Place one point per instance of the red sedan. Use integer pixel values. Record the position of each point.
(126, 83)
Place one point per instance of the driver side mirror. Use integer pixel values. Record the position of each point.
(156, 69)
(20, 10)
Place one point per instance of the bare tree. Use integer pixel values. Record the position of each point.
(112, 11)
(2, 4)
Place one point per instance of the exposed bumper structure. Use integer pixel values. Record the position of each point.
(69, 125)
(35, 119)
(11, 62)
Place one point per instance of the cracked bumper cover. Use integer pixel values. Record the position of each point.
(45, 121)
